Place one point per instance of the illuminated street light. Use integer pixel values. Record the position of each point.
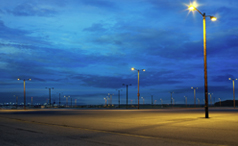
(219, 100)
(110, 99)
(233, 82)
(192, 7)
(138, 94)
(171, 97)
(198, 101)
(66, 100)
(210, 98)
(143, 100)
(105, 101)
(194, 88)
(24, 85)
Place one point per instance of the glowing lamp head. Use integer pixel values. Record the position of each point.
(132, 68)
(229, 78)
(191, 8)
(143, 69)
(29, 79)
(213, 18)
(18, 79)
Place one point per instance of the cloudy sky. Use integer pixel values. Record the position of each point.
(85, 49)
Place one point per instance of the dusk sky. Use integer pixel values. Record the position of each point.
(85, 49)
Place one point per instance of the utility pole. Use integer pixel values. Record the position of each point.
(119, 97)
(126, 93)
(171, 98)
(49, 94)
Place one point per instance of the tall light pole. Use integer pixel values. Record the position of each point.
(119, 97)
(193, 8)
(66, 100)
(185, 100)
(138, 94)
(24, 86)
(219, 100)
(210, 98)
(49, 94)
(126, 93)
(194, 88)
(233, 83)
(161, 100)
(16, 100)
(171, 97)
(198, 101)
(110, 97)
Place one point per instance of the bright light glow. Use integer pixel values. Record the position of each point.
(29, 79)
(132, 68)
(143, 69)
(229, 78)
(213, 18)
(18, 79)
(192, 6)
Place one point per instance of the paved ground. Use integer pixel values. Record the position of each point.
(167, 127)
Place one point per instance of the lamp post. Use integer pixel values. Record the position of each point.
(171, 97)
(24, 85)
(161, 100)
(66, 100)
(185, 100)
(193, 8)
(194, 88)
(105, 99)
(219, 100)
(138, 94)
(110, 98)
(126, 93)
(119, 97)
(16, 100)
(233, 82)
(198, 101)
(143, 100)
(210, 98)
(49, 94)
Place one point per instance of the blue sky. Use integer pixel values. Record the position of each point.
(86, 48)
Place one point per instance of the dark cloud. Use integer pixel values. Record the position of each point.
(100, 4)
(96, 27)
(32, 9)
(222, 78)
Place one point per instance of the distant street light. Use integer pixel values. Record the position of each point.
(171, 97)
(194, 88)
(110, 98)
(161, 100)
(233, 82)
(143, 100)
(66, 100)
(119, 97)
(16, 101)
(138, 94)
(185, 100)
(49, 94)
(105, 98)
(219, 100)
(198, 101)
(193, 8)
(210, 98)
(24, 85)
